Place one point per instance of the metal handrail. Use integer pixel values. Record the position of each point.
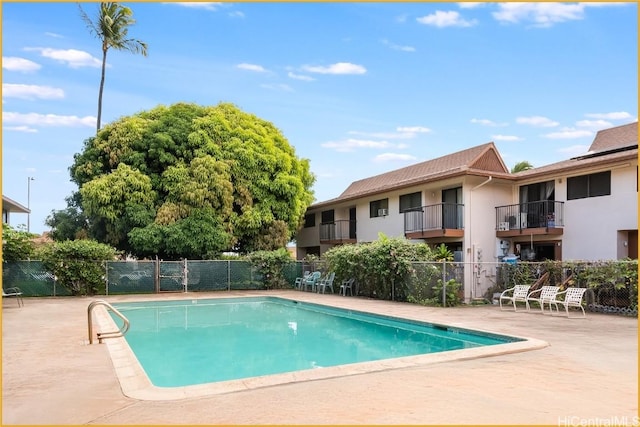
(110, 334)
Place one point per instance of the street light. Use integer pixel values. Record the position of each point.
(29, 179)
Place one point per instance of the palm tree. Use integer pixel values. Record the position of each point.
(521, 166)
(111, 27)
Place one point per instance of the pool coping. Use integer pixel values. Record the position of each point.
(135, 383)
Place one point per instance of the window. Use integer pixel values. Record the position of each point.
(594, 185)
(379, 208)
(328, 217)
(410, 201)
(309, 220)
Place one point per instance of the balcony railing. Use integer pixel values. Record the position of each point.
(339, 231)
(541, 214)
(441, 216)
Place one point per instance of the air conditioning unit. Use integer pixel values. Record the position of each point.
(383, 212)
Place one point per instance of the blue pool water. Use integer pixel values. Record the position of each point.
(188, 342)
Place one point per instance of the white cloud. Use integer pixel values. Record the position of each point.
(276, 86)
(54, 35)
(540, 14)
(487, 122)
(300, 77)
(470, 4)
(236, 14)
(213, 6)
(35, 119)
(574, 150)
(337, 68)
(398, 47)
(594, 124)
(569, 133)
(21, 91)
(537, 121)
(13, 63)
(352, 144)
(443, 19)
(618, 115)
(72, 57)
(402, 132)
(252, 67)
(388, 157)
(413, 129)
(26, 129)
(506, 138)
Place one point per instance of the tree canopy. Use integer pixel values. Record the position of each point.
(191, 181)
(521, 166)
(111, 26)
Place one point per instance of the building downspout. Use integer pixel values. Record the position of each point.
(475, 276)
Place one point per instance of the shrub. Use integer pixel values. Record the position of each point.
(382, 268)
(271, 265)
(16, 244)
(79, 265)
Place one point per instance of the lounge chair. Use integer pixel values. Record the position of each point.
(347, 284)
(572, 298)
(546, 294)
(13, 292)
(518, 293)
(326, 282)
(311, 281)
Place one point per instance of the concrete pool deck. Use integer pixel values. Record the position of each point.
(585, 372)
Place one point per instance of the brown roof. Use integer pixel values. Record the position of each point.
(482, 160)
(609, 147)
(615, 138)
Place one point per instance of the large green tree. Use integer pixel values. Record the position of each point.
(111, 26)
(191, 181)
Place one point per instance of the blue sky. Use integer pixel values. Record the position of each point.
(357, 88)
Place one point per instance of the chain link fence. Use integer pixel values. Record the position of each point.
(611, 288)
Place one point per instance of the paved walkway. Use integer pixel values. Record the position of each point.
(587, 374)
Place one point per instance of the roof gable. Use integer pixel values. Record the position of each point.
(615, 138)
(483, 157)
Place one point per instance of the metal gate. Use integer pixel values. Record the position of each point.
(172, 276)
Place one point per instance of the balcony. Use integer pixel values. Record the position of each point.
(440, 220)
(537, 218)
(338, 232)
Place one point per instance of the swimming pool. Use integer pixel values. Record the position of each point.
(183, 343)
(149, 365)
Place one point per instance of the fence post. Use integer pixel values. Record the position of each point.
(228, 275)
(106, 277)
(444, 283)
(185, 275)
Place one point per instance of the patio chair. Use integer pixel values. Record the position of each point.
(572, 298)
(299, 280)
(347, 284)
(518, 293)
(13, 292)
(546, 294)
(326, 282)
(311, 281)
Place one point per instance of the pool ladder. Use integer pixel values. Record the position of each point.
(110, 334)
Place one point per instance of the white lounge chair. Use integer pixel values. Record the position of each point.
(347, 284)
(518, 293)
(546, 294)
(13, 292)
(326, 282)
(572, 298)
